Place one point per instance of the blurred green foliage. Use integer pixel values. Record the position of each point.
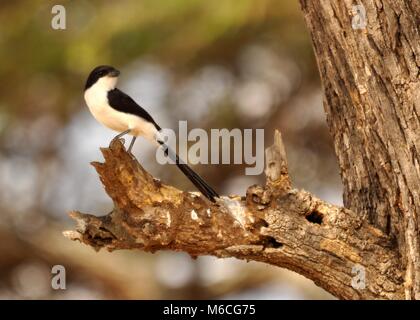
(39, 62)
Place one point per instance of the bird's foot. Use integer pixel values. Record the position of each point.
(119, 136)
(122, 140)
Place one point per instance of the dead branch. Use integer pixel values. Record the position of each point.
(274, 223)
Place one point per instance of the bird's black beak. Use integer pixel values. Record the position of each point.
(114, 73)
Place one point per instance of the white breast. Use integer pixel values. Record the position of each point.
(97, 101)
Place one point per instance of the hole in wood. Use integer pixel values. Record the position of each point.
(270, 242)
(315, 217)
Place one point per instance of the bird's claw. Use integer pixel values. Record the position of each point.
(122, 140)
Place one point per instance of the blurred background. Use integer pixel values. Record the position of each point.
(218, 64)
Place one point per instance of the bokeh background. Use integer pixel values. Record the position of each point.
(218, 64)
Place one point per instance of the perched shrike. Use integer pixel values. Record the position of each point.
(118, 111)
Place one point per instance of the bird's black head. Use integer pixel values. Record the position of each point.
(100, 72)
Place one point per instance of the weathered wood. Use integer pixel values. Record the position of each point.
(276, 169)
(291, 229)
(371, 87)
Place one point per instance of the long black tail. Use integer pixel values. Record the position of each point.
(191, 175)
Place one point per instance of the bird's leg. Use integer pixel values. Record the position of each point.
(120, 135)
(131, 144)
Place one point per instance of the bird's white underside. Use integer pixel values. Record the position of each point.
(97, 101)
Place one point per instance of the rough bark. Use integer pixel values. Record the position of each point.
(274, 223)
(371, 87)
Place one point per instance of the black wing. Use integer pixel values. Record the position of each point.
(124, 103)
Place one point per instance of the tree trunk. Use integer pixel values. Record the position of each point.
(371, 85)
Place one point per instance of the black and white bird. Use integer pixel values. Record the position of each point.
(118, 111)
